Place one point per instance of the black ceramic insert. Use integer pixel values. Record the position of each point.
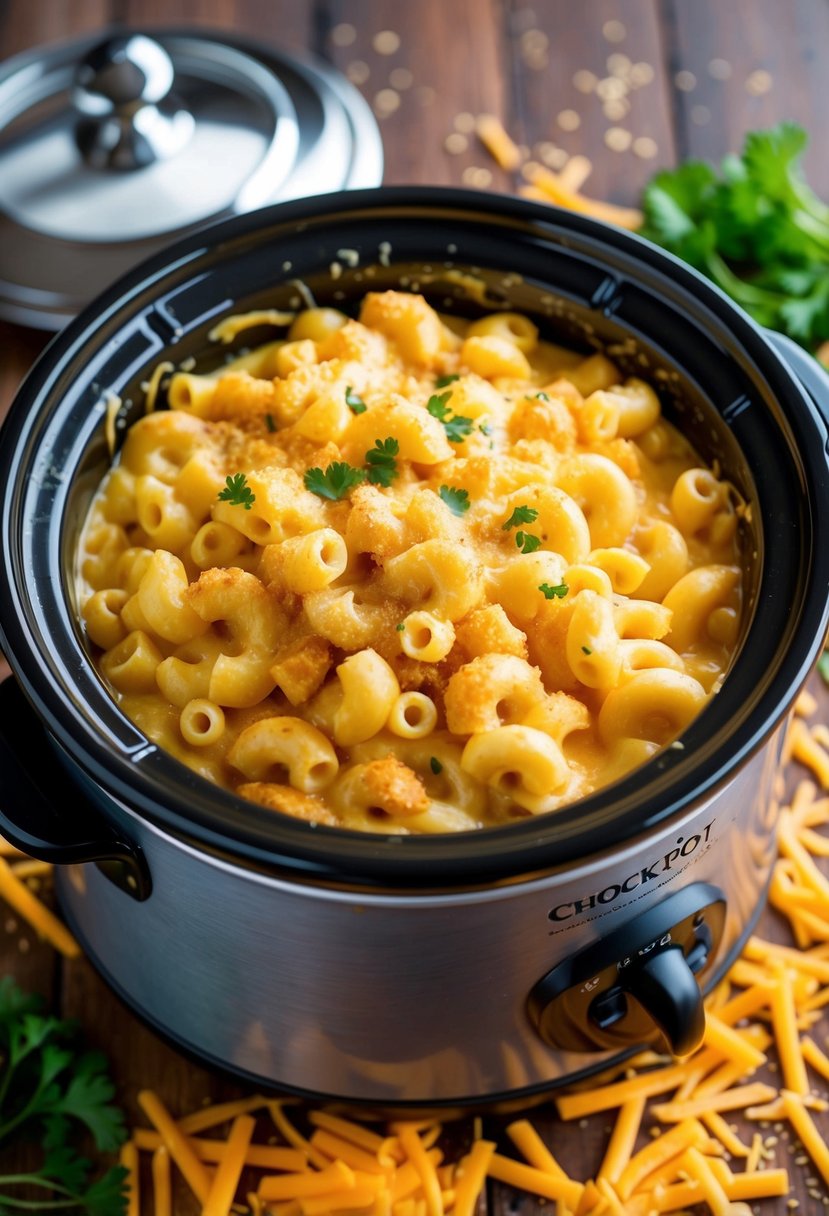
(584, 283)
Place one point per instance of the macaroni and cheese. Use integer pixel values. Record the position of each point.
(405, 573)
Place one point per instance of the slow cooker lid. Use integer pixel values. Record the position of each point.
(593, 269)
(112, 144)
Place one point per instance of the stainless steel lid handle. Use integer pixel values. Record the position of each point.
(128, 117)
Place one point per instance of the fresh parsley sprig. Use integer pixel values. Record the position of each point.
(442, 381)
(457, 427)
(457, 500)
(334, 482)
(48, 1085)
(237, 492)
(382, 465)
(755, 227)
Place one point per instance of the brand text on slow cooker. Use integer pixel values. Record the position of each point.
(608, 895)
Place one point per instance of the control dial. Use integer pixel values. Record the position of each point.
(639, 983)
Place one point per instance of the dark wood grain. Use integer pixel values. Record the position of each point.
(457, 65)
(788, 42)
(578, 41)
(451, 59)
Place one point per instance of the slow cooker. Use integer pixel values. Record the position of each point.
(474, 967)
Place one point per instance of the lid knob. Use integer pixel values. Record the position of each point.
(128, 117)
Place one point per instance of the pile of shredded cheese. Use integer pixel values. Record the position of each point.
(315, 1163)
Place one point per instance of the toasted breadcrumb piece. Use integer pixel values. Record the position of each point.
(288, 801)
(489, 629)
(392, 785)
(239, 394)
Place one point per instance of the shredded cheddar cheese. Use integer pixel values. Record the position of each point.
(128, 1158)
(152, 385)
(501, 147)
(18, 896)
(622, 1140)
(231, 326)
(546, 186)
(176, 1143)
(227, 1176)
(162, 1182)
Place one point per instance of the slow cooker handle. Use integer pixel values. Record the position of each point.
(40, 812)
(811, 374)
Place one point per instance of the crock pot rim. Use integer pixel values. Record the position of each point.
(200, 812)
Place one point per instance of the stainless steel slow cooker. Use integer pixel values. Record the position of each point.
(468, 968)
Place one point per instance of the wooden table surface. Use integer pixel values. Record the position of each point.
(707, 72)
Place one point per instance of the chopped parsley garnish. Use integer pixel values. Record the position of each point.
(354, 402)
(381, 461)
(521, 515)
(553, 593)
(435, 765)
(442, 381)
(335, 482)
(485, 428)
(526, 542)
(456, 426)
(237, 492)
(269, 423)
(437, 405)
(542, 397)
(586, 650)
(400, 627)
(456, 500)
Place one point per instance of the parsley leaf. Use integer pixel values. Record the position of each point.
(526, 542)
(48, 1084)
(456, 500)
(354, 402)
(442, 381)
(335, 482)
(521, 515)
(542, 396)
(437, 407)
(435, 765)
(269, 423)
(586, 650)
(553, 593)
(237, 492)
(381, 461)
(400, 627)
(456, 426)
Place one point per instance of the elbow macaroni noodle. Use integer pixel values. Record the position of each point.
(406, 573)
